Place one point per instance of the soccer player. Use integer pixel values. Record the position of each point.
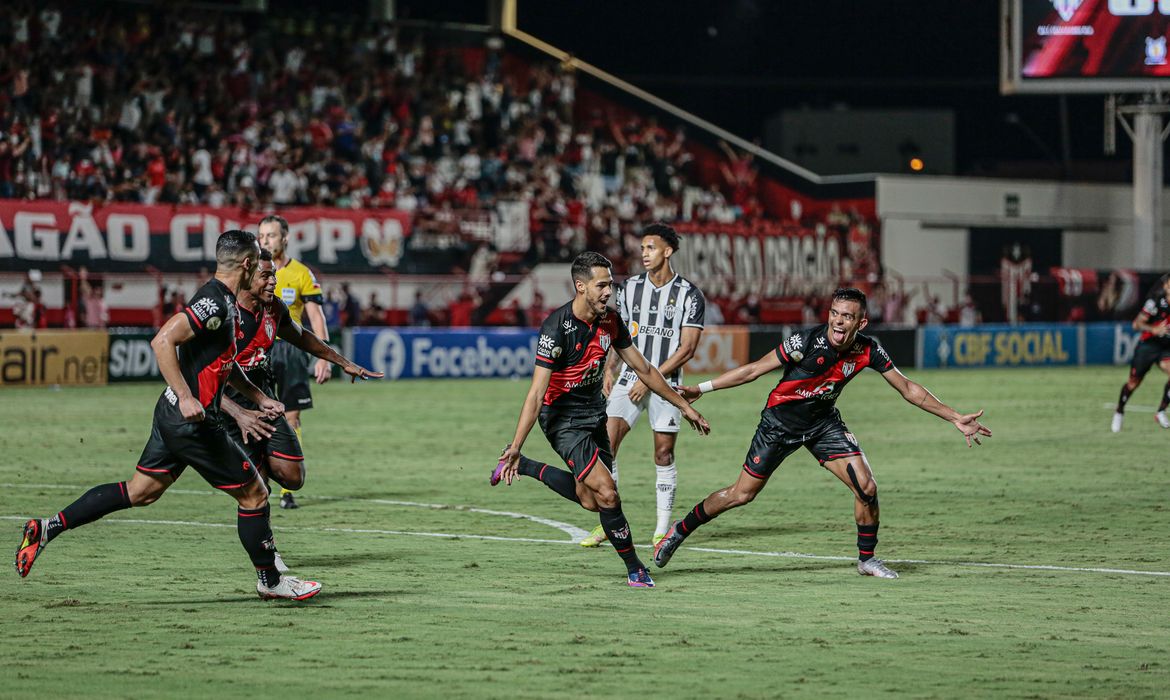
(566, 395)
(270, 442)
(817, 364)
(1153, 348)
(195, 350)
(301, 293)
(664, 312)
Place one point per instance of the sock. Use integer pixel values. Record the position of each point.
(256, 536)
(665, 486)
(558, 480)
(693, 520)
(613, 472)
(866, 541)
(617, 529)
(1165, 398)
(1124, 398)
(95, 503)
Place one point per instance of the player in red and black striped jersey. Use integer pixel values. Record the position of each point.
(195, 350)
(817, 364)
(1153, 348)
(270, 442)
(566, 397)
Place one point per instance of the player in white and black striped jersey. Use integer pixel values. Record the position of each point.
(664, 312)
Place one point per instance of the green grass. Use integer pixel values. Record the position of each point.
(117, 609)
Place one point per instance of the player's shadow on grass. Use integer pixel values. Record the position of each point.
(323, 599)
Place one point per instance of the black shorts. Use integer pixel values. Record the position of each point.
(174, 444)
(773, 442)
(581, 441)
(290, 370)
(283, 444)
(1146, 355)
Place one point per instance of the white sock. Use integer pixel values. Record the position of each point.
(613, 473)
(665, 486)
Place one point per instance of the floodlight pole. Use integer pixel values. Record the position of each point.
(1147, 134)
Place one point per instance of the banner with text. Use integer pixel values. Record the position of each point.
(406, 353)
(1026, 345)
(44, 358)
(126, 237)
(720, 348)
(131, 357)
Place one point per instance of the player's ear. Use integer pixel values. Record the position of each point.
(864, 322)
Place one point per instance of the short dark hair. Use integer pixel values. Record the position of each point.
(233, 246)
(663, 231)
(851, 294)
(276, 218)
(267, 257)
(584, 263)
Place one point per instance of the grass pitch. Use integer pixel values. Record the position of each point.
(160, 602)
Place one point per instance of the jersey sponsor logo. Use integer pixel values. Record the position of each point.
(792, 347)
(824, 391)
(546, 344)
(693, 312)
(635, 329)
(657, 331)
(172, 399)
(850, 438)
(204, 307)
(568, 325)
(288, 295)
(820, 342)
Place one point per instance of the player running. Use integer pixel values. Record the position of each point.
(664, 313)
(195, 350)
(301, 293)
(269, 442)
(1153, 348)
(566, 395)
(817, 363)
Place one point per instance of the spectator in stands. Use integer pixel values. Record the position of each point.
(350, 307)
(96, 313)
(374, 314)
(968, 313)
(420, 315)
(459, 312)
(536, 310)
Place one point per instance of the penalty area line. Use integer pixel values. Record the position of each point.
(710, 550)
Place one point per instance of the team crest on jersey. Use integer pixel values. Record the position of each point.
(848, 367)
(670, 309)
(269, 328)
(288, 295)
(603, 339)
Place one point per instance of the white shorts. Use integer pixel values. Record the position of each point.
(664, 416)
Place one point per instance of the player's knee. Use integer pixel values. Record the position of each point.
(290, 475)
(143, 492)
(741, 497)
(663, 456)
(606, 497)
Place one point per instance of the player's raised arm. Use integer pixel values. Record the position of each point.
(541, 376)
(294, 333)
(967, 423)
(743, 374)
(653, 379)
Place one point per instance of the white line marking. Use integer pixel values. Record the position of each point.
(741, 552)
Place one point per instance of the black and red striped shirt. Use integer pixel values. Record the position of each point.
(815, 373)
(1157, 310)
(575, 352)
(258, 332)
(206, 360)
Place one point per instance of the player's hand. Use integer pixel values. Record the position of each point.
(690, 393)
(252, 425)
(271, 408)
(697, 421)
(357, 372)
(1161, 330)
(607, 384)
(322, 371)
(511, 457)
(638, 391)
(191, 409)
(971, 428)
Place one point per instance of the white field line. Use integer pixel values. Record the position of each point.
(574, 536)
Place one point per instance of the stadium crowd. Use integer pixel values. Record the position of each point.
(149, 106)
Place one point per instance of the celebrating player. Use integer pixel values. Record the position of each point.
(270, 442)
(195, 351)
(1153, 348)
(566, 394)
(818, 363)
(664, 313)
(298, 289)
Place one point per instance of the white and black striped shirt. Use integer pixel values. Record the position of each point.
(656, 317)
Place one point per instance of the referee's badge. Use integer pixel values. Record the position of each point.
(288, 295)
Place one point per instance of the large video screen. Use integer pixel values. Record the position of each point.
(1086, 45)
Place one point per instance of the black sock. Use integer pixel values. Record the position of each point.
(1165, 398)
(696, 517)
(95, 503)
(558, 480)
(617, 529)
(256, 536)
(866, 541)
(1124, 398)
